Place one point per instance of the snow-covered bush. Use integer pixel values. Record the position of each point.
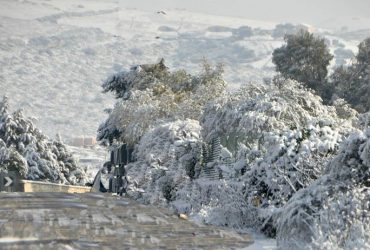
(334, 212)
(217, 202)
(169, 161)
(24, 149)
(280, 134)
(167, 158)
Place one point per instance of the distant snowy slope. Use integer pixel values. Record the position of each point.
(54, 54)
(26, 10)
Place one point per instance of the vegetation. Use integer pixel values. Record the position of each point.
(288, 163)
(304, 58)
(25, 150)
(352, 83)
(150, 95)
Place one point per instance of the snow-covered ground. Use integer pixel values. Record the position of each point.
(261, 242)
(55, 54)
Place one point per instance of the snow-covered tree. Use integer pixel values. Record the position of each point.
(305, 58)
(363, 56)
(11, 160)
(333, 212)
(139, 77)
(242, 32)
(151, 95)
(29, 152)
(280, 137)
(352, 83)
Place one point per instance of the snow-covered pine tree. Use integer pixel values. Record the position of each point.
(33, 154)
(11, 160)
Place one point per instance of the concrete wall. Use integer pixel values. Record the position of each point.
(89, 141)
(38, 186)
(78, 142)
(83, 141)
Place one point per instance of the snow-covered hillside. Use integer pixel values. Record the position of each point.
(54, 55)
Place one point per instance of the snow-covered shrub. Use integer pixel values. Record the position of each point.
(164, 156)
(161, 175)
(333, 212)
(217, 202)
(280, 134)
(150, 95)
(24, 149)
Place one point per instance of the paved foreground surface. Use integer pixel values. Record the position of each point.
(98, 221)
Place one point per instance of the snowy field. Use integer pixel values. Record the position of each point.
(55, 54)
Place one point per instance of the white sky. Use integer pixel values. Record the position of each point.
(333, 14)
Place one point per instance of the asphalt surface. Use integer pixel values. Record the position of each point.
(101, 221)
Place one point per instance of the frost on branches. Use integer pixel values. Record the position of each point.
(150, 95)
(24, 149)
(167, 159)
(280, 136)
(334, 212)
(167, 172)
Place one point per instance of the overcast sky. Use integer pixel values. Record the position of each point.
(322, 13)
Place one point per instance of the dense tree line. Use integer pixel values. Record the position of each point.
(279, 144)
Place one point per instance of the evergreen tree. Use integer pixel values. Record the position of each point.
(363, 56)
(352, 83)
(304, 58)
(29, 152)
(11, 160)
